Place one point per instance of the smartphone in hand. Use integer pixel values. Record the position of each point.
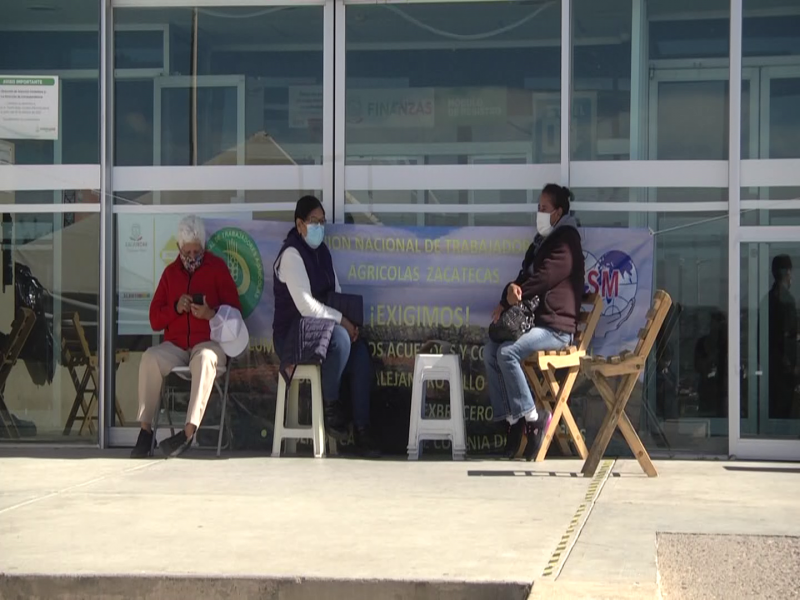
(198, 299)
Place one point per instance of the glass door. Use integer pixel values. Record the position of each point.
(688, 120)
(769, 334)
(770, 342)
(199, 121)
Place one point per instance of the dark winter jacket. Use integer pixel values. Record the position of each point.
(553, 269)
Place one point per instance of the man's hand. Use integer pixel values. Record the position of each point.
(184, 304)
(514, 294)
(497, 312)
(203, 311)
(351, 329)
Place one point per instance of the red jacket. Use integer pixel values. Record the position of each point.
(212, 279)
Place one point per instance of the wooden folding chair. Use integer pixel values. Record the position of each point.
(628, 366)
(552, 375)
(76, 354)
(20, 330)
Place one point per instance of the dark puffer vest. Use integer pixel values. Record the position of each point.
(319, 266)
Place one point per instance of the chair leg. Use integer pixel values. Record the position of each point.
(280, 413)
(223, 395)
(609, 424)
(628, 430)
(154, 424)
(293, 414)
(317, 417)
(417, 404)
(7, 420)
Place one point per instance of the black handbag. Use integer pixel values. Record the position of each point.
(515, 322)
(350, 305)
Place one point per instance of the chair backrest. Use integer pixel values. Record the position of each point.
(20, 330)
(655, 319)
(588, 318)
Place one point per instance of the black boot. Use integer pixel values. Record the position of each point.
(335, 424)
(534, 431)
(365, 444)
(514, 438)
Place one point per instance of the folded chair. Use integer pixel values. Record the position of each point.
(628, 368)
(76, 355)
(20, 330)
(552, 375)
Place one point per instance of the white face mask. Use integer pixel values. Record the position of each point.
(543, 225)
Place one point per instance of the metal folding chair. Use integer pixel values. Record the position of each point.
(220, 385)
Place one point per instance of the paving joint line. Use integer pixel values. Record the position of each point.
(573, 531)
(76, 486)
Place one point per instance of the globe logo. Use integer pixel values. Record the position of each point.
(614, 277)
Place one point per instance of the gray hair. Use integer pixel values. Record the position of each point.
(191, 229)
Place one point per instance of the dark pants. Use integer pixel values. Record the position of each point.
(349, 364)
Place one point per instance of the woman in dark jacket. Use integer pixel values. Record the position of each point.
(302, 279)
(553, 271)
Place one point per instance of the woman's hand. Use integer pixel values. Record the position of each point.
(514, 294)
(351, 329)
(497, 313)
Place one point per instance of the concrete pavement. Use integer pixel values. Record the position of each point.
(93, 524)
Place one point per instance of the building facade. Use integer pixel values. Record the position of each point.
(683, 120)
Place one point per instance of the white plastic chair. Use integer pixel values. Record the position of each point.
(292, 431)
(437, 367)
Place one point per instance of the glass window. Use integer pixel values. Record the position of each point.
(211, 197)
(776, 206)
(769, 350)
(230, 86)
(49, 56)
(146, 244)
(357, 200)
(770, 43)
(438, 84)
(682, 402)
(48, 320)
(675, 106)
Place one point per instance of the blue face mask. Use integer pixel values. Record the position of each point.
(315, 234)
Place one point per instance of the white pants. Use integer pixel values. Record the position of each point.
(158, 361)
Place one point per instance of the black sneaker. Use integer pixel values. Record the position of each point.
(514, 438)
(143, 444)
(365, 444)
(335, 424)
(534, 431)
(174, 446)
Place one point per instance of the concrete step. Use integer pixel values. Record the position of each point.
(168, 587)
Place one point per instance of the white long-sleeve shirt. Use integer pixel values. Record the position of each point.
(291, 270)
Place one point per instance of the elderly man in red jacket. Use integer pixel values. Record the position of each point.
(190, 291)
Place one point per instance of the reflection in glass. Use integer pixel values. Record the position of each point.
(210, 197)
(232, 86)
(441, 90)
(37, 42)
(146, 244)
(682, 404)
(648, 77)
(48, 321)
(770, 41)
(770, 340)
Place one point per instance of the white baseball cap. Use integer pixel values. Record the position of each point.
(229, 331)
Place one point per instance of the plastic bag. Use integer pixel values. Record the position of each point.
(38, 349)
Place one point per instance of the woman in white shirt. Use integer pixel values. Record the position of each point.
(303, 278)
